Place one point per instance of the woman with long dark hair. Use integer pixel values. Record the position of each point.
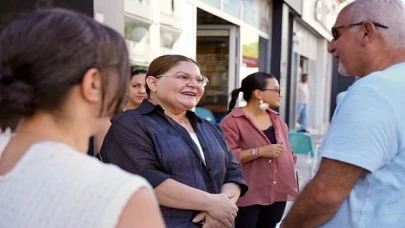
(136, 89)
(135, 95)
(61, 75)
(258, 137)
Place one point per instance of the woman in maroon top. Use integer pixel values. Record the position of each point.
(258, 137)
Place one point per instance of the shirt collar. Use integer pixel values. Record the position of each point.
(148, 107)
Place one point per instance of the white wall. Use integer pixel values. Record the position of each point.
(320, 79)
(330, 9)
(157, 15)
(113, 12)
(186, 43)
(314, 47)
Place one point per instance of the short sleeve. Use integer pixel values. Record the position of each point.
(363, 132)
(129, 145)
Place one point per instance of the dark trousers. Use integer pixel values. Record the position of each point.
(258, 216)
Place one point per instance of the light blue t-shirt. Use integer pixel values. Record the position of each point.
(368, 130)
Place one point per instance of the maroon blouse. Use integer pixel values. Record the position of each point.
(268, 182)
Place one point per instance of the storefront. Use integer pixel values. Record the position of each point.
(310, 55)
(228, 38)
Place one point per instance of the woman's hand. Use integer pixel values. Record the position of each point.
(223, 209)
(271, 150)
(209, 222)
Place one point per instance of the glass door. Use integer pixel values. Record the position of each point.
(217, 54)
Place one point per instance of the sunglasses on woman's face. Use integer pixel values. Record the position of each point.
(275, 90)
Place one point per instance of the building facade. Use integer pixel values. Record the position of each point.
(301, 34)
(310, 55)
(233, 38)
(229, 39)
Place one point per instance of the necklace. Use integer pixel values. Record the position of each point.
(183, 120)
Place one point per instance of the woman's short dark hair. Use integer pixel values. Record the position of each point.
(251, 83)
(46, 52)
(135, 71)
(164, 63)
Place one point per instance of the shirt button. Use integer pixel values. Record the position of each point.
(274, 182)
(275, 170)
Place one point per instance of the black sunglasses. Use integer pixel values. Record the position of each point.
(335, 33)
(275, 90)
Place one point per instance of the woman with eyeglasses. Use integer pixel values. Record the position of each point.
(61, 75)
(186, 159)
(258, 138)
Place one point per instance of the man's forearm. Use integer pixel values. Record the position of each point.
(231, 188)
(311, 209)
(171, 193)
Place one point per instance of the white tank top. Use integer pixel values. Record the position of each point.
(54, 186)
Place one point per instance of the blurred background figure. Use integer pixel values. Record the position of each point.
(302, 103)
(136, 90)
(61, 74)
(186, 159)
(258, 137)
(135, 95)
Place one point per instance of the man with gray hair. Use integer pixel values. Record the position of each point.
(361, 179)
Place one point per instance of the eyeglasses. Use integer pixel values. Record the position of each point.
(336, 34)
(275, 90)
(187, 78)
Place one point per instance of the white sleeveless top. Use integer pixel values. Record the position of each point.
(54, 186)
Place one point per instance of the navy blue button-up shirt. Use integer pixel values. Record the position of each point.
(147, 142)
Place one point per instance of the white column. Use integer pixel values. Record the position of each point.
(284, 56)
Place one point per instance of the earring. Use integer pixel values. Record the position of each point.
(263, 106)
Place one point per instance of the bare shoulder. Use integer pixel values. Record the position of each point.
(142, 210)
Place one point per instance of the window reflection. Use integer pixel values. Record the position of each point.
(232, 7)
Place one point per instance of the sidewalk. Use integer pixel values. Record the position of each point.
(317, 139)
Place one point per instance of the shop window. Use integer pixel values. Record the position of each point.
(214, 3)
(256, 13)
(232, 7)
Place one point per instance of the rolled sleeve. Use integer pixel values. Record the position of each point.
(129, 145)
(154, 177)
(234, 173)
